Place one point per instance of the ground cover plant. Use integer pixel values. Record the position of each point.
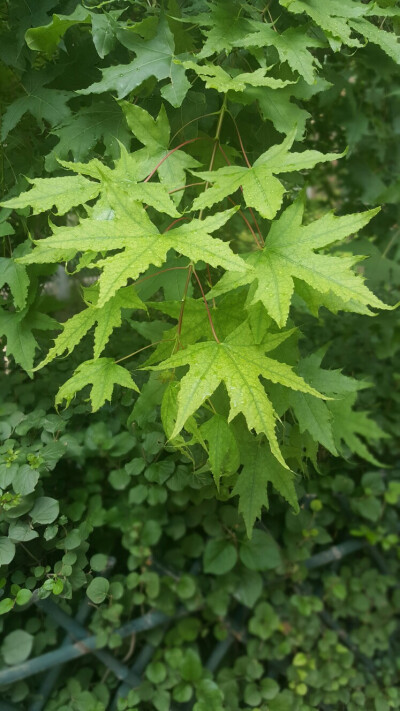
(199, 277)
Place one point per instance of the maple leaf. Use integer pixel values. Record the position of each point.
(227, 315)
(215, 77)
(43, 104)
(261, 188)
(155, 135)
(223, 450)
(292, 46)
(154, 59)
(226, 26)
(119, 188)
(46, 37)
(102, 120)
(107, 318)
(348, 424)
(15, 276)
(261, 469)
(239, 366)
(18, 329)
(339, 17)
(289, 254)
(331, 15)
(102, 374)
(142, 245)
(315, 416)
(64, 193)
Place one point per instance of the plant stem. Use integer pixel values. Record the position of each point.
(180, 320)
(191, 140)
(150, 345)
(150, 276)
(207, 308)
(243, 216)
(216, 144)
(183, 187)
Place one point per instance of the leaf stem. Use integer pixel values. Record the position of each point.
(216, 143)
(179, 219)
(183, 187)
(180, 320)
(185, 143)
(143, 349)
(150, 276)
(243, 216)
(213, 113)
(207, 308)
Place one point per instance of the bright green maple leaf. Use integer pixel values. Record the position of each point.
(215, 77)
(154, 58)
(141, 243)
(239, 366)
(155, 135)
(331, 15)
(119, 188)
(261, 188)
(102, 374)
(261, 469)
(107, 318)
(64, 193)
(289, 253)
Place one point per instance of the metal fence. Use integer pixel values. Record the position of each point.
(77, 642)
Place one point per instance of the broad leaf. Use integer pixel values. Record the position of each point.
(223, 450)
(107, 318)
(16, 277)
(289, 253)
(18, 329)
(154, 59)
(260, 469)
(217, 78)
(64, 193)
(239, 366)
(292, 46)
(141, 247)
(46, 38)
(261, 189)
(103, 374)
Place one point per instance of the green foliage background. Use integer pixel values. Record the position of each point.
(283, 108)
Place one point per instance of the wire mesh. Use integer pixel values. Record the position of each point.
(78, 643)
